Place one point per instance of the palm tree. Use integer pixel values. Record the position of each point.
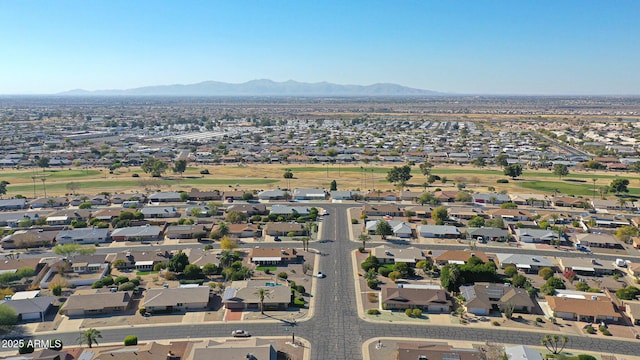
(226, 258)
(622, 202)
(262, 294)
(554, 343)
(89, 337)
(364, 238)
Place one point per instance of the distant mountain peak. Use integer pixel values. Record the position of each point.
(262, 87)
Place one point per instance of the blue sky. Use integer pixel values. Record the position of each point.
(473, 47)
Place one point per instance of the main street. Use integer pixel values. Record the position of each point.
(335, 331)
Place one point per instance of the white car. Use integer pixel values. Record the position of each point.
(321, 275)
(240, 333)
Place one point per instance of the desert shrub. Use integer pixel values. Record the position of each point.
(56, 290)
(128, 286)
(590, 330)
(408, 312)
(502, 181)
(582, 286)
(354, 221)
(373, 283)
(283, 275)
(373, 312)
(384, 271)
(301, 289)
(510, 270)
(586, 357)
(417, 312)
(121, 280)
(495, 323)
(131, 340)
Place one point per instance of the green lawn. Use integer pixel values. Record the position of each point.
(106, 184)
(141, 273)
(265, 268)
(50, 174)
(585, 189)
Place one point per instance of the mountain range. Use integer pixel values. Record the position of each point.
(262, 87)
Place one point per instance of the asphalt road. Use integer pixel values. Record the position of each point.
(335, 331)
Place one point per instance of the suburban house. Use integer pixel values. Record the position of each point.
(83, 236)
(12, 204)
(413, 351)
(482, 298)
(446, 196)
(139, 260)
(584, 266)
(236, 195)
(524, 262)
(11, 265)
(148, 351)
(465, 213)
(400, 229)
(535, 235)
(81, 270)
(157, 212)
(309, 194)
(438, 231)
(197, 195)
(230, 349)
(429, 300)
(49, 202)
(13, 218)
(490, 198)
(92, 302)
(511, 214)
(28, 239)
(569, 201)
(121, 198)
(421, 212)
(244, 295)
(604, 205)
(283, 229)
(522, 352)
(274, 256)
(632, 309)
(243, 231)
(30, 309)
(343, 194)
(595, 309)
(249, 209)
(537, 200)
(96, 200)
(176, 299)
(382, 210)
(202, 257)
(388, 255)
(459, 257)
(287, 210)
(185, 231)
(381, 196)
(166, 197)
(109, 214)
(633, 269)
(598, 240)
(609, 221)
(137, 233)
(273, 195)
(488, 234)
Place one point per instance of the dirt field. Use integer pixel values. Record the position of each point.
(270, 176)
